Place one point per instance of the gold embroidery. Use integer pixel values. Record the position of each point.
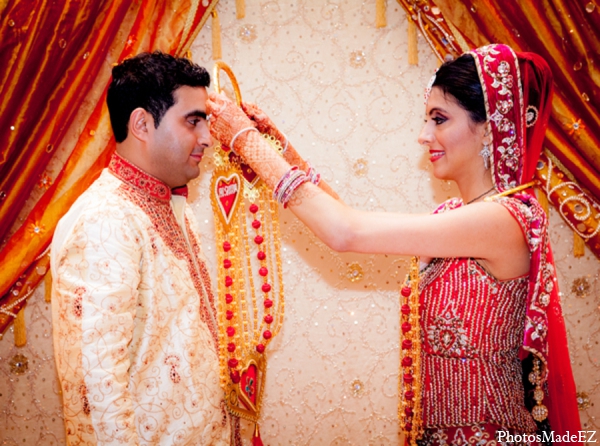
(152, 196)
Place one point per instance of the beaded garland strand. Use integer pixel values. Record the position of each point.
(409, 379)
(248, 250)
(250, 283)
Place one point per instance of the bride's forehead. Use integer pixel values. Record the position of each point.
(439, 99)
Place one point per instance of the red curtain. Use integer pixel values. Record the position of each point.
(55, 59)
(567, 34)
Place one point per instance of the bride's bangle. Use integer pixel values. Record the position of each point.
(247, 129)
(288, 184)
(313, 175)
(286, 143)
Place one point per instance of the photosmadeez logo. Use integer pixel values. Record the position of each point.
(545, 437)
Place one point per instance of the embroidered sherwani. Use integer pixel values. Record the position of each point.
(134, 321)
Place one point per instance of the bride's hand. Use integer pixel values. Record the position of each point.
(263, 123)
(226, 118)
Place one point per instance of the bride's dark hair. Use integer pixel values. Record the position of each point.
(459, 79)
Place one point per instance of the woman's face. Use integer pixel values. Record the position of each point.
(453, 139)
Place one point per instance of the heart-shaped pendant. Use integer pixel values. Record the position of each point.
(227, 190)
(248, 387)
(250, 177)
(244, 397)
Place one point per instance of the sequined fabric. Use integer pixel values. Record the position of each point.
(477, 434)
(473, 327)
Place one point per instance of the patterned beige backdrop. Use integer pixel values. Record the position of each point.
(343, 91)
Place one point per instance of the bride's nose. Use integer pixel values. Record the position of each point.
(425, 137)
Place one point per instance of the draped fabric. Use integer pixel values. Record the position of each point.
(565, 33)
(452, 28)
(517, 88)
(55, 137)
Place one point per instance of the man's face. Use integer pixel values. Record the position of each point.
(176, 147)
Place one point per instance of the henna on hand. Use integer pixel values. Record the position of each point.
(304, 192)
(226, 120)
(265, 125)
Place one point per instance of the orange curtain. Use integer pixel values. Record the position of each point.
(55, 59)
(567, 34)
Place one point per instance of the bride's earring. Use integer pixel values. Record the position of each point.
(486, 155)
(486, 152)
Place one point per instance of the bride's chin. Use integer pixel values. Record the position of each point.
(439, 175)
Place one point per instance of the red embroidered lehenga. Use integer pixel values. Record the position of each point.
(472, 329)
(475, 330)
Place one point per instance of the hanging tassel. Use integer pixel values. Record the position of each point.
(256, 441)
(19, 328)
(380, 21)
(216, 35)
(413, 49)
(543, 200)
(240, 8)
(48, 286)
(578, 245)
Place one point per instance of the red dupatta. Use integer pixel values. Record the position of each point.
(517, 88)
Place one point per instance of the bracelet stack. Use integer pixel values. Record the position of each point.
(292, 180)
(288, 184)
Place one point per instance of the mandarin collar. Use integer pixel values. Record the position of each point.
(138, 179)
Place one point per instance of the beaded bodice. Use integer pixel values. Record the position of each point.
(472, 327)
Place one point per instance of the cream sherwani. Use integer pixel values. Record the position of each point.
(134, 322)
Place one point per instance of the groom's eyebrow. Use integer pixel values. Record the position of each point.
(197, 114)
